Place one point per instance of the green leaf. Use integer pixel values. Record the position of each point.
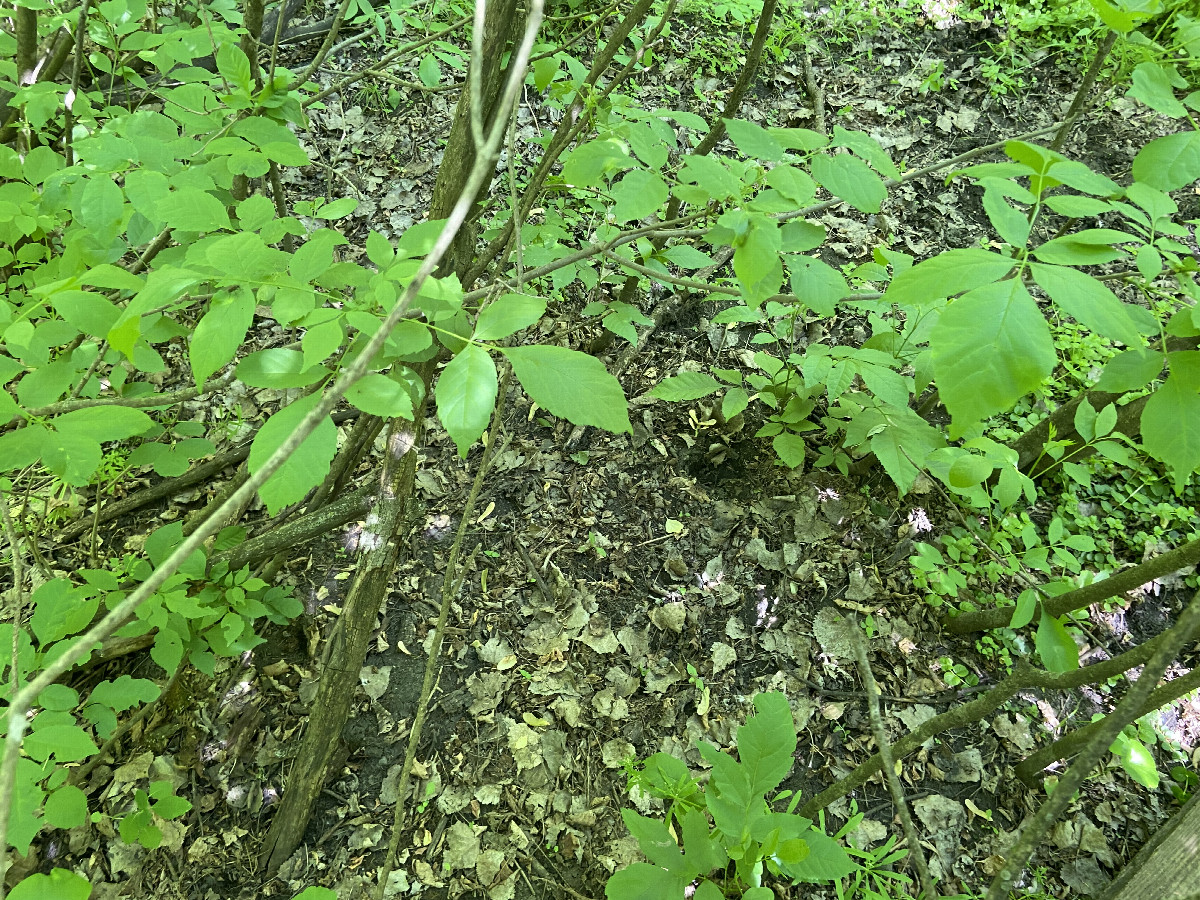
(233, 65)
(321, 338)
(686, 386)
(1170, 421)
(316, 893)
(946, 275)
(1026, 606)
(1076, 207)
(826, 861)
(380, 395)
(790, 448)
(799, 236)
(1130, 370)
(735, 400)
(278, 368)
(899, 438)
(572, 385)
(969, 470)
(589, 164)
(1085, 424)
(244, 257)
(1137, 760)
(167, 650)
(72, 457)
(654, 839)
(1077, 175)
(688, 257)
(379, 250)
(1149, 262)
(767, 741)
(1153, 83)
(817, 284)
(1012, 225)
(638, 195)
(1115, 18)
(756, 259)
(125, 692)
(315, 256)
(702, 850)
(990, 347)
(712, 176)
(754, 140)
(304, 469)
(255, 211)
(1169, 163)
(220, 332)
(867, 147)
(849, 178)
(66, 807)
(795, 184)
(105, 423)
(429, 71)
(641, 881)
(418, 239)
(60, 610)
(507, 315)
(1090, 247)
(100, 205)
(60, 884)
(58, 697)
(191, 209)
(544, 71)
(466, 395)
(803, 139)
(338, 209)
(1092, 304)
(91, 313)
(1055, 645)
(66, 743)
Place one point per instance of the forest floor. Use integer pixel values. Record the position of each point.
(626, 595)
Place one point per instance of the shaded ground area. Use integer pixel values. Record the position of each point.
(629, 595)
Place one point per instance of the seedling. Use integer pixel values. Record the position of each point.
(731, 837)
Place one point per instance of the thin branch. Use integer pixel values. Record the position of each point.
(386, 61)
(1023, 677)
(889, 766)
(1035, 828)
(1028, 769)
(149, 402)
(18, 588)
(1122, 582)
(451, 584)
(319, 59)
(1083, 96)
(76, 78)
